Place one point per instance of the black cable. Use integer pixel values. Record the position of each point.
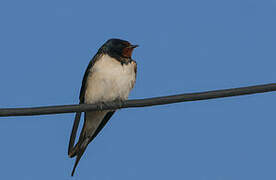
(138, 102)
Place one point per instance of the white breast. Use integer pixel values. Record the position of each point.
(109, 79)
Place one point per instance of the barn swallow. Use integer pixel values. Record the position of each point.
(110, 76)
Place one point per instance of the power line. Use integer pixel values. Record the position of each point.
(138, 102)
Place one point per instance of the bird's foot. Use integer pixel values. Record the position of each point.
(102, 105)
(120, 103)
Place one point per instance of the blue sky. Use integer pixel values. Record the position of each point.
(185, 46)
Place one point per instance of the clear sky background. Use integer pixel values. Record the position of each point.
(185, 46)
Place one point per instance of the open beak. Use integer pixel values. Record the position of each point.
(133, 46)
(127, 51)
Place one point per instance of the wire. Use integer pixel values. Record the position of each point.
(138, 102)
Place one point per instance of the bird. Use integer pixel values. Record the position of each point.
(110, 76)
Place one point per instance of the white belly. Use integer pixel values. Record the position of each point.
(109, 80)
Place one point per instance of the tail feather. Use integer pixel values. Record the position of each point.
(74, 133)
(79, 152)
(97, 120)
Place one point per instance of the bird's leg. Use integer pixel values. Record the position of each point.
(119, 102)
(101, 105)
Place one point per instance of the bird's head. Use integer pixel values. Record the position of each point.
(118, 48)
